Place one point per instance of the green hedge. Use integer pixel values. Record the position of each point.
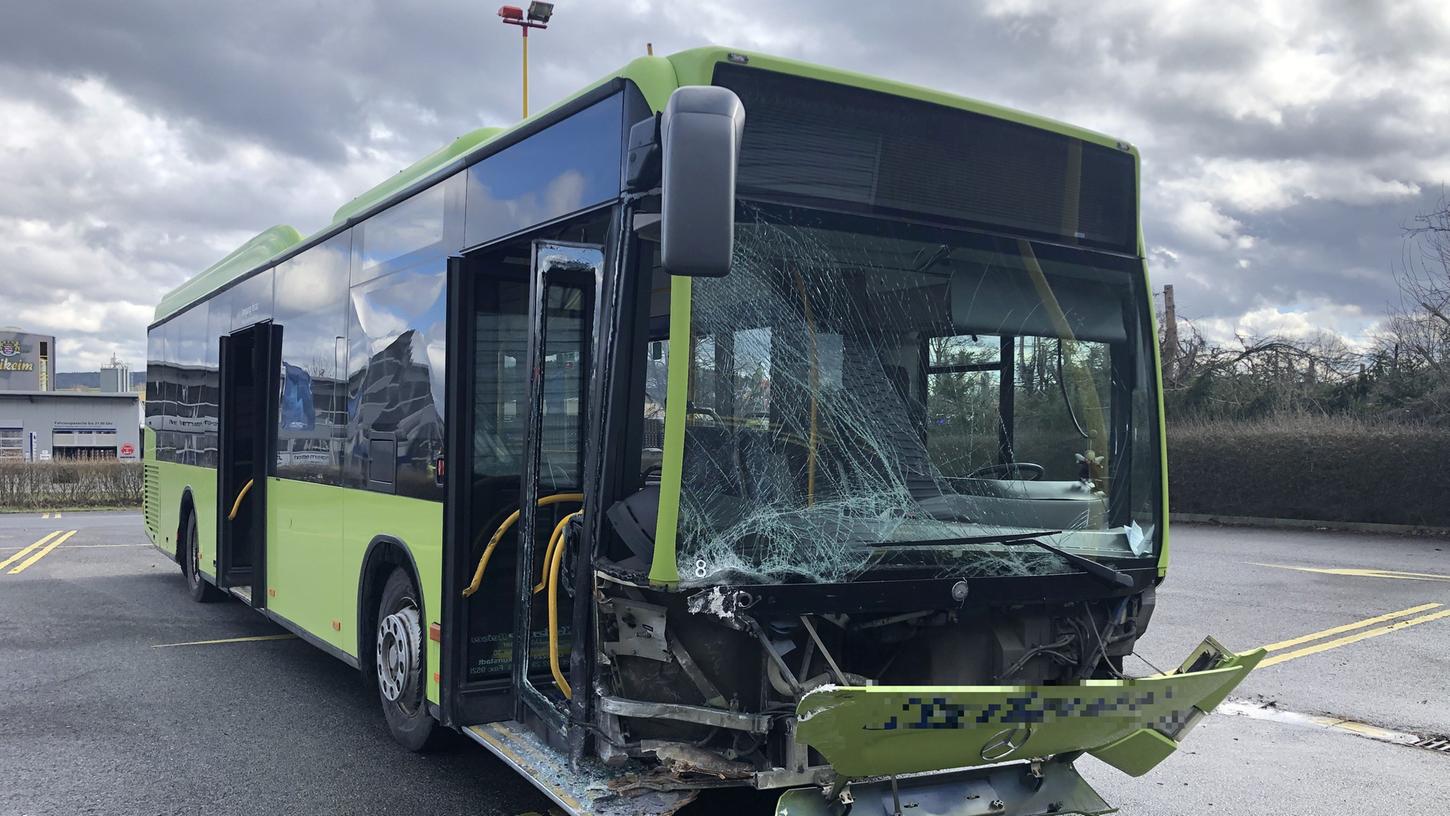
(1315, 468)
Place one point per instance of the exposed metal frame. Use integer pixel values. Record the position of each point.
(531, 704)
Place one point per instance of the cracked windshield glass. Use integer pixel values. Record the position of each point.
(867, 396)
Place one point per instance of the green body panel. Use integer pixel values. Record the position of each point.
(875, 731)
(663, 568)
(1137, 753)
(172, 483)
(418, 524)
(1164, 521)
(149, 514)
(253, 254)
(305, 581)
(317, 537)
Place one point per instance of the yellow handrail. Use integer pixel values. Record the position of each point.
(555, 561)
(554, 539)
(237, 505)
(504, 528)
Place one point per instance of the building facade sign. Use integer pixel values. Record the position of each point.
(27, 361)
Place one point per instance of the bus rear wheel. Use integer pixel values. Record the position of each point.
(196, 585)
(399, 663)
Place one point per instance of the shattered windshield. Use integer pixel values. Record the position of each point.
(872, 396)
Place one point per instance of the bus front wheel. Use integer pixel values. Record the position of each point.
(399, 663)
(196, 585)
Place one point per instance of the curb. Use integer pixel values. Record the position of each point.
(1310, 524)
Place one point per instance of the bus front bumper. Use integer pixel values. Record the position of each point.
(877, 732)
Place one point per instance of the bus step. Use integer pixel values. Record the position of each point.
(586, 791)
(241, 593)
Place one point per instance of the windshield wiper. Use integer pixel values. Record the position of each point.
(1096, 569)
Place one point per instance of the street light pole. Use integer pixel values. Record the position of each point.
(537, 17)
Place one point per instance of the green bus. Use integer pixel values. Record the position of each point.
(735, 423)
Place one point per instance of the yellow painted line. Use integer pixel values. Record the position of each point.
(41, 553)
(253, 639)
(57, 515)
(26, 549)
(1244, 708)
(1355, 638)
(1364, 573)
(80, 547)
(45, 515)
(1349, 627)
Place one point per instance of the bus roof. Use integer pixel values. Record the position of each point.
(656, 78)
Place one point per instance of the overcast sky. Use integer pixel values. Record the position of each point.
(1284, 143)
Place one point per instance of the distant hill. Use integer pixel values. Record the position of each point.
(70, 380)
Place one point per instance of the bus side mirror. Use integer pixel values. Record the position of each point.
(700, 132)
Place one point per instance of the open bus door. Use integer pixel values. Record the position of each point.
(519, 423)
(249, 361)
(562, 319)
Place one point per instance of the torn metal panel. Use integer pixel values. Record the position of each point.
(1131, 724)
(703, 715)
(683, 759)
(641, 629)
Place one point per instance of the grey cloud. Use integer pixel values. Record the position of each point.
(281, 111)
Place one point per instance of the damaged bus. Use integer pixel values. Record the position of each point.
(736, 423)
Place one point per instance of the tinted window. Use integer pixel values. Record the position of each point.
(566, 359)
(500, 383)
(195, 395)
(500, 392)
(412, 225)
(395, 357)
(311, 303)
(218, 323)
(251, 300)
(155, 359)
(168, 388)
(559, 170)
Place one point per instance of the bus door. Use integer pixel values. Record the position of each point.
(249, 361)
(562, 317)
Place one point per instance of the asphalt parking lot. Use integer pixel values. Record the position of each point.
(101, 714)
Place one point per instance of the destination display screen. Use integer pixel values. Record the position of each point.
(808, 140)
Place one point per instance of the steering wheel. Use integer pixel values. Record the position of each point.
(1026, 471)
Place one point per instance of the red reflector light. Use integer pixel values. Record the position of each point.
(511, 12)
(435, 633)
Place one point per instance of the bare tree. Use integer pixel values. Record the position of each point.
(1419, 326)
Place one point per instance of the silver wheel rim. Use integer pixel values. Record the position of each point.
(399, 636)
(193, 553)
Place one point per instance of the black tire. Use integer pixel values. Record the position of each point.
(196, 585)
(400, 661)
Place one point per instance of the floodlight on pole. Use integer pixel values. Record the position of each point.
(537, 17)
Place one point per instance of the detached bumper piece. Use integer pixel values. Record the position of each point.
(1130, 724)
(1010, 790)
